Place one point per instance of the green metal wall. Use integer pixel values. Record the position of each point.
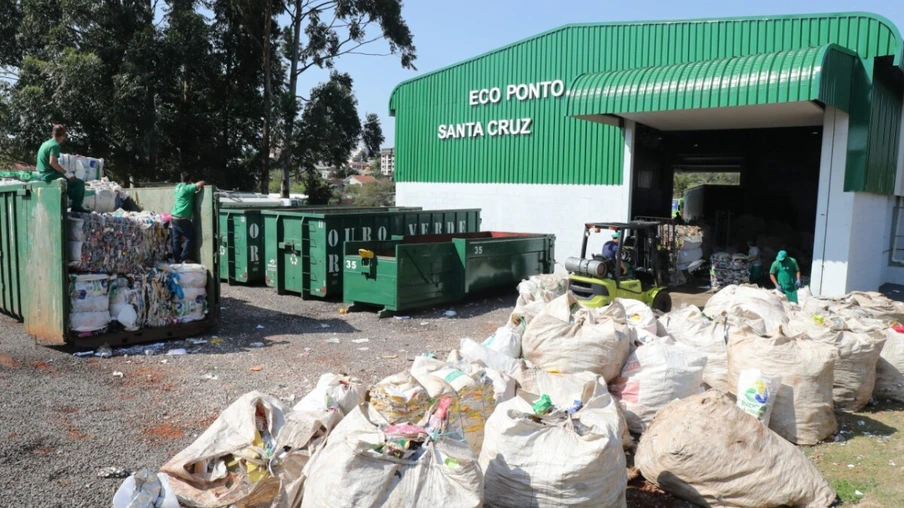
(563, 150)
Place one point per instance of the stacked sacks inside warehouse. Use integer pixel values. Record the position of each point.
(118, 263)
(712, 405)
(728, 269)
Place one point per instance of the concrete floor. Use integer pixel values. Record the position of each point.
(693, 293)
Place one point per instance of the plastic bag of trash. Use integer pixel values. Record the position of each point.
(251, 455)
(655, 374)
(507, 340)
(804, 411)
(567, 456)
(873, 305)
(639, 316)
(748, 301)
(858, 344)
(400, 399)
(368, 463)
(691, 328)
(343, 393)
(706, 450)
(890, 368)
(471, 351)
(568, 338)
(756, 393)
(145, 489)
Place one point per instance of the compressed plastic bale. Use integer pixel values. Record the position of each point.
(351, 470)
(804, 410)
(706, 450)
(752, 302)
(890, 368)
(655, 374)
(689, 327)
(858, 345)
(189, 275)
(88, 321)
(574, 460)
(568, 338)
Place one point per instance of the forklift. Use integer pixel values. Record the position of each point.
(639, 270)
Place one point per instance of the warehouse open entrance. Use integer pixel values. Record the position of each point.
(774, 201)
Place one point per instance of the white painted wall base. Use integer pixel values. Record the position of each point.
(558, 209)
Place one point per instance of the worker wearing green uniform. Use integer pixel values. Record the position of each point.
(785, 274)
(49, 168)
(183, 212)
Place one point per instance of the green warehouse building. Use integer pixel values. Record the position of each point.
(591, 122)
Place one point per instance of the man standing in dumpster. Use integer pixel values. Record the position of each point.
(49, 168)
(788, 273)
(183, 212)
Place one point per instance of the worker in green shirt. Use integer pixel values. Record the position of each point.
(49, 168)
(183, 211)
(785, 274)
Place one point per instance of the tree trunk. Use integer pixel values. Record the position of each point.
(268, 93)
(292, 113)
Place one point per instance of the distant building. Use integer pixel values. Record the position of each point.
(360, 167)
(361, 180)
(387, 161)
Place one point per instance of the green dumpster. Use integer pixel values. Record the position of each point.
(416, 272)
(241, 246)
(307, 247)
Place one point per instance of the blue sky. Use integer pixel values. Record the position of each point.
(446, 32)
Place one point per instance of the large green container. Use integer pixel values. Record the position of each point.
(307, 247)
(241, 246)
(34, 273)
(417, 272)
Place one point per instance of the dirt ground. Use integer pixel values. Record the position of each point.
(65, 418)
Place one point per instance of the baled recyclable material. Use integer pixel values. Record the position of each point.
(728, 270)
(706, 450)
(804, 411)
(120, 243)
(103, 196)
(90, 303)
(570, 456)
(568, 338)
(369, 463)
(86, 169)
(127, 301)
(655, 374)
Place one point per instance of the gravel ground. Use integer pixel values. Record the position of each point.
(65, 418)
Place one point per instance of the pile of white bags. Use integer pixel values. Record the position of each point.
(568, 338)
(369, 463)
(102, 196)
(556, 459)
(507, 339)
(890, 368)
(706, 450)
(84, 168)
(191, 305)
(640, 317)
(804, 411)
(89, 302)
(655, 374)
(688, 326)
(690, 248)
(535, 293)
(740, 304)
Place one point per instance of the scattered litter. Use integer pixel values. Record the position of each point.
(104, 352)
(390, 357)
(117, 374)
(216, 340)
(164, 361)
(850, 466)
(257, 368)
(324, 325)
(858, 493)
(211, 377)
(196, 342)
(113, 472)
(891, 463)
(428, 355)
(82, 354)
(260, 327)
(424, 323)
(343, 311)
(450, 313)
(144, 349)
(306, 353)
(176, 352)
(839, 438)
(307, 349)
(256, 344)
(861, 423)
(363, 349)
(146, 488)
(360, 341)
(403, 318)
(332, 341)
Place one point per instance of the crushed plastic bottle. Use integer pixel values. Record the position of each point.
(104, 352)
(542, 406)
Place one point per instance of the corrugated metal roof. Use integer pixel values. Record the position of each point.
(822, 73)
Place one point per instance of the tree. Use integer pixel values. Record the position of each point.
(323, 31)
(372, 135)
(379, 193)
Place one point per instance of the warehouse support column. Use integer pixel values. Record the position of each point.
(629, 130)
(834, 210)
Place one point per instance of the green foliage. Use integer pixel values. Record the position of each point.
(379, 193)
(685, 181)
(318, 190)
(372, 135)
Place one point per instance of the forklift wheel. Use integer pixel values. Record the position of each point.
(662, 302)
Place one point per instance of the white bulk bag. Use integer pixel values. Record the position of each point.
(568, 338)
(575, 461)
(655, 374)
(88, 321)
(751, 300)
(689, 327)
(507, 340)
(890, 368)
(190, 275)
(804, 411)
(639, 316)
(706, 450)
